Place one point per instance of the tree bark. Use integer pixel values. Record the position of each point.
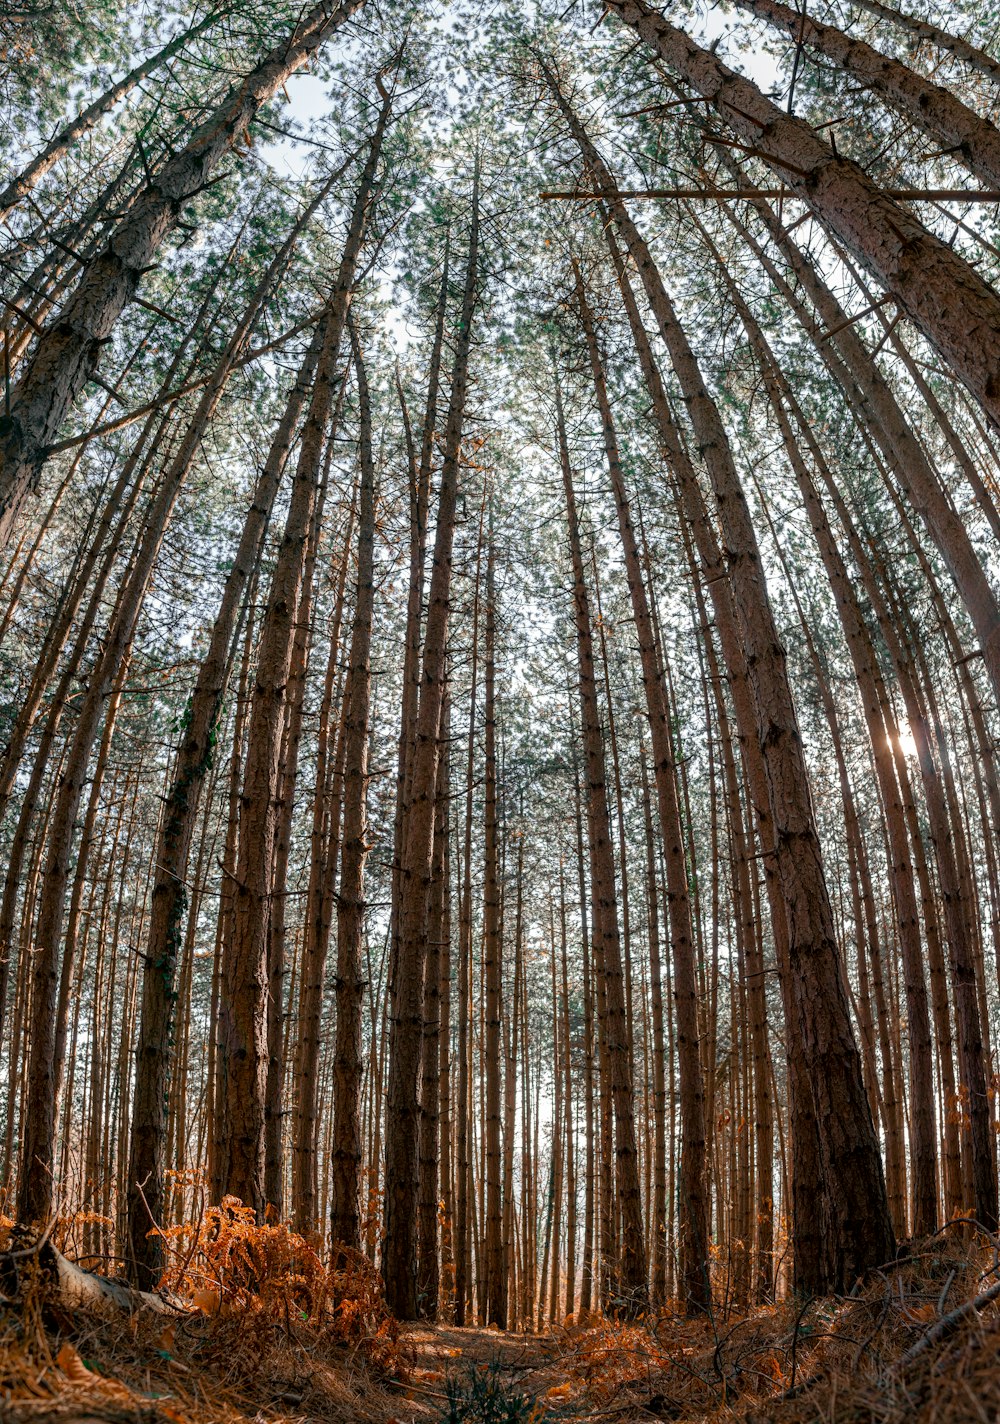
(345, 1166)
(402, 1124)
(631, 1267)
(68, 350)
(35, 1187)
(855, 370)
(693, 1187)
(923, 1129)
(966, 136)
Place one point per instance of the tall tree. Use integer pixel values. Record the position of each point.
(243, 1004)
(399, 1248)
(495, 1272)
(68, 350)
(345, 1225)
(694, 1205)
(631, 1268)
(169, 896)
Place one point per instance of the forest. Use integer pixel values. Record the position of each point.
(499, 711)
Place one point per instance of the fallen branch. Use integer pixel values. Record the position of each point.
(947, 1325)
(75, 1286)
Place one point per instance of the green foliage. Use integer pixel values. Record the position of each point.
(485, 1395)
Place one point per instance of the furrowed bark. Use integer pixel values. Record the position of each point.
(967, 137)
(847, 1140)
(953, 306)
(977, 59)
(784, 404)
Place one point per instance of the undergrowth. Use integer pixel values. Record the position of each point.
(484, 1395)
(269, 1332)
(230, 1267)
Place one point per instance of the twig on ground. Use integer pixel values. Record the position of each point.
(947, 1325)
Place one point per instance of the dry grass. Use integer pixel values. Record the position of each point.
(859, 1359)
(279, 1339)
(264, 1330)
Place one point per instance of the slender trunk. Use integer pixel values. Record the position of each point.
(496, 1275)
(35, 1188)
(345, 1168)
(67, 353)
(428, 1281)
(243, 1009)
(169, 896)
(324, 854)
(868, 675)
(399, 1249)
(632, 1263)
(658, 1197)
(694, 1213)
(966, 136)
(849, 1159)
(446, 1295)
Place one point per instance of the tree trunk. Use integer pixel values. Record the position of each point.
(632, 1264)
(967, 137)
(873, 697)
(67, 352)
(345, 1170)
(323, 858)
(496, 1275)
(428, 1279)
(35, 1188)
(850, 1158)
(169, 895)
(243, 1006)
(402, 1123)
(694, 1211)
(870, 395)
(977, 59)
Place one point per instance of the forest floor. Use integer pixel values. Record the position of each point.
(921, 1345)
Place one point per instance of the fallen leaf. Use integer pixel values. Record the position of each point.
(209, 1302)
(72, 1366)
(559, 1391)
